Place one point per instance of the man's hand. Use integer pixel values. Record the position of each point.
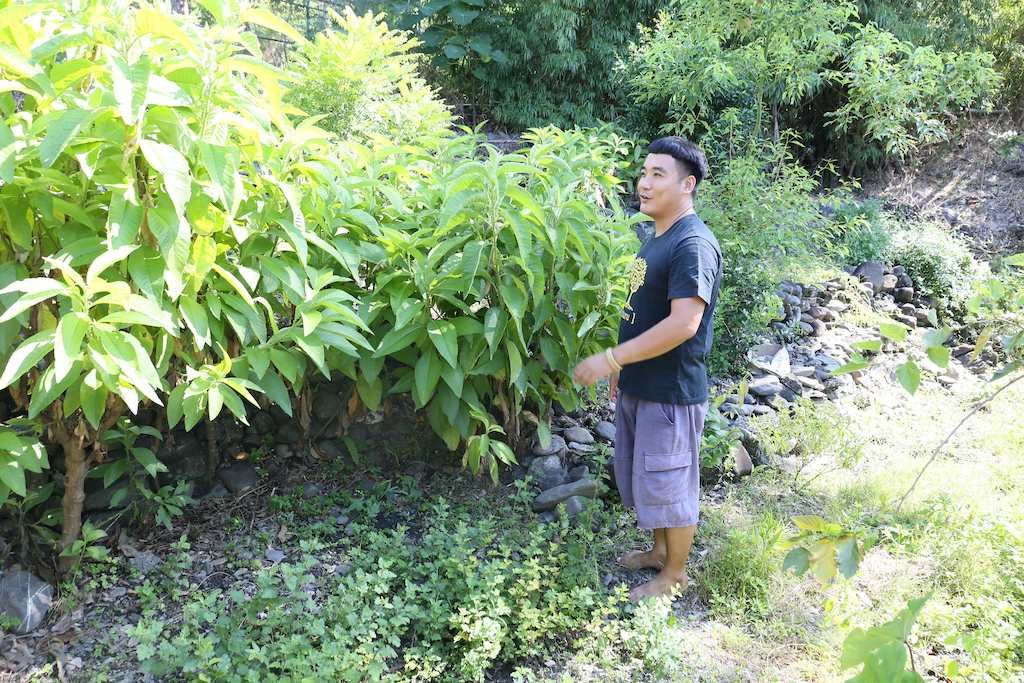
(613, 388)
(592, 369)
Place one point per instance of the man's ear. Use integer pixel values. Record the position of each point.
(689, 184)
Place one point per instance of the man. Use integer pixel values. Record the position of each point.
(659, 370)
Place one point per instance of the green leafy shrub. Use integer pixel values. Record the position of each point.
(762, 208)
(138, 268)
(718, 440)
(737, 574)
(855, 93)
(526, 63)
(864, 233)
(362, 80)
(485, 276)
(997, 308)
(809, 431)
(940, 263)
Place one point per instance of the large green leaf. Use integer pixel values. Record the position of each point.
(71, 331)
(8, 146)
(909, 376)
(149, 21)
(428, 372)
(173, 166)
(12, 474)
(131, 86)
(399, 338)
(262, 17)
(443, 337)
(28, 353)
(35, 290)
(124, 217)
(60, 133)
(222, 164)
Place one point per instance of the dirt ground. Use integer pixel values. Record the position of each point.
(965, 184)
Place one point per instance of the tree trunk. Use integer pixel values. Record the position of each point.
(72, 436)
(212, 453)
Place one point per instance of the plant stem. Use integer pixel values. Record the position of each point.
(899, 501)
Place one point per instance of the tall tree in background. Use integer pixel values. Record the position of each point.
(525, 63)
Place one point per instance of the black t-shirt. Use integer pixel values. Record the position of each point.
(683, 262)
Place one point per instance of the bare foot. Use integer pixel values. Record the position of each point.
(661, 586)
(636, 559)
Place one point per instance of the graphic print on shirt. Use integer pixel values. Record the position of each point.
(636, 281)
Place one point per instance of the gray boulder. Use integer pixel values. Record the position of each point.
(871, 272)
(238, 476)
(549, 500)
(185, 456)
(557, 448)
(25, 598)
(768, 385)
(605, 430)
(578, 435)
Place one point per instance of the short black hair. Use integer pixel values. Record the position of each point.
(689, 157)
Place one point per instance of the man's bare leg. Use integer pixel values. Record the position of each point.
(652, 559)
(677, 541)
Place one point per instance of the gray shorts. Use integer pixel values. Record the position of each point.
(657, 466)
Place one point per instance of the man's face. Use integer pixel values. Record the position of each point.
(665, 192)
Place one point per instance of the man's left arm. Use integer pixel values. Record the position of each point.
(682, 323)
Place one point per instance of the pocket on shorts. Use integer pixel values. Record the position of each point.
(664, 478)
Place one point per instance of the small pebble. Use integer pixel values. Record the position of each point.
(274, 556)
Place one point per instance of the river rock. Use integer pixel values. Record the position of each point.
(578, 435)
(238, 476)
(145, 563)
(288, 433)
(871, 272)
(326, 404)
(605, 430)
(768, 385)
(889, 282)
(185, 456)
(25, 598)
(549, 500)
(557, 448)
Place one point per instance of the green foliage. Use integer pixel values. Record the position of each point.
(20, 451)
(445, 609)
(864, 233)
(762, 209)
(486, 276)
(86, 547)
(809, 431)
(737, 574)
(362, 80)
(834, 549)
(527, 63)
(746, 307)
(650, 634)
(940, 263)
(990, 25)
(718, 439)
(898, 93)
(705, 51)
(809, 67)
(149, 176)
(998, 306)
(171, 238)
(883, 649)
